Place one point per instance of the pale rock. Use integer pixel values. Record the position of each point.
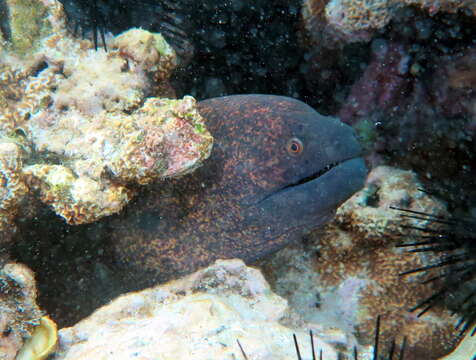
(198, 317)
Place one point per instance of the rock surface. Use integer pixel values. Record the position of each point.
(198, 317)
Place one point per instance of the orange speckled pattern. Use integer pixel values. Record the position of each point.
(250, 198)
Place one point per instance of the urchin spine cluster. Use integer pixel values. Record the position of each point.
(454, 239)
(389, 355)
(97, 17)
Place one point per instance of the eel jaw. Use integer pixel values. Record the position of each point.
(311, 177)
(310, 202)
(306, 180)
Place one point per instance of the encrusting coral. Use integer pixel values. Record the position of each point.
(163, 138)
(12, 188)
(93, 123)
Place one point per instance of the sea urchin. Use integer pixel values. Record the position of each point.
(389, 355)
(454, 240)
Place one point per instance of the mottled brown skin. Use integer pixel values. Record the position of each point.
(250, 198)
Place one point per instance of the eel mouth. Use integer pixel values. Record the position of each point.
(312, 177)
(304, 180)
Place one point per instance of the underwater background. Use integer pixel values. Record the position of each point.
(153, 206)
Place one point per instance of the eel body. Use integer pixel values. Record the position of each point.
(278, 169)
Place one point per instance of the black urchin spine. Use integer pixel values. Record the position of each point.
(455, 239)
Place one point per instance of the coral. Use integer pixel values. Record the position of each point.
(347, 273)
(163, 138)
(92, 122)
(105, 86)
(359, 18)
(78, 199)
(12, 188)
(150, 51)
(200, 316)
(19, 313)
(338, 53)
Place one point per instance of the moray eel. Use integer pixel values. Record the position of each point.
(278, 169)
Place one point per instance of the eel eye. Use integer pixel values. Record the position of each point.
(294, 146)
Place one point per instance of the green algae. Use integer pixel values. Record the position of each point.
(199, 127)
(367, 133)
(28, 22)
(161, 45)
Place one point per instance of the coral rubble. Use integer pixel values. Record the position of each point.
(94, 124)
(348, 273)
(200, 316)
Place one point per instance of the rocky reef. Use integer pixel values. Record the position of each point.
(81, 129)
(347, 273)
(414, 107)
(200, 316)
(84, 131)
(223, 311)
